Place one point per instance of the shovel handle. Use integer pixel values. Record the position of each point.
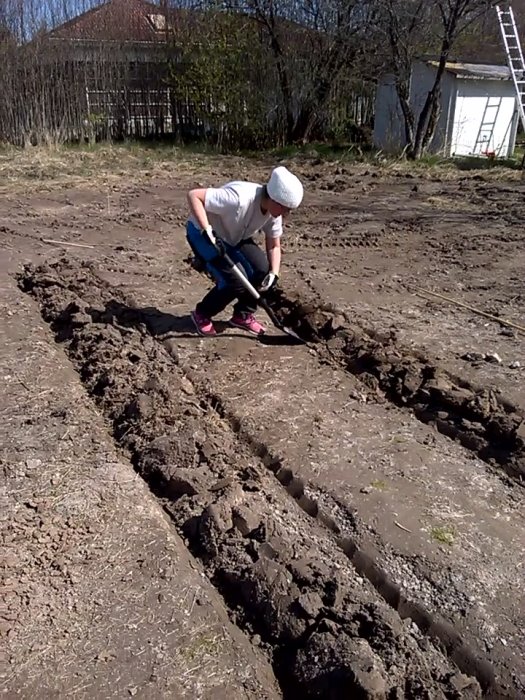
(221, 252)
(251, 289)
(255, 294)
(273, 318)
(242, 278)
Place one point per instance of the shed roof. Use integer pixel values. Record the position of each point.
(477, 71)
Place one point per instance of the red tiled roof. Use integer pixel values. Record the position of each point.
(116, 20)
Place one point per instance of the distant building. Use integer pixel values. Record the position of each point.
(118, 52)
(478, 110)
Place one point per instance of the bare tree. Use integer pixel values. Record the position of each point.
(425, 26)
(274, 18)
(335, 38)
(220, 90)
(296, 80)
(312, 43)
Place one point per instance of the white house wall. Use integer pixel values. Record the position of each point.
(389, 125)
(389, 130)
(423, 77)
(463, 103)
(443, 138)
(472, 98)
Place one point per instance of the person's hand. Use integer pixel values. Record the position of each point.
(212, 238)
(209, 234)
(269, 282)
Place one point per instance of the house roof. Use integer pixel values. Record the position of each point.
(476, 71)
(141, 22)
(116, 20)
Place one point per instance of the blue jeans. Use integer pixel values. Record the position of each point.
(247, 254)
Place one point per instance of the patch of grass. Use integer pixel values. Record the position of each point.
(201, 646)
(432, 161)
(104, 163)
(379, 484)
(399, 438)
(474, 163)
(76, 164)
(519, 152)
(444, 534)
(341, 153)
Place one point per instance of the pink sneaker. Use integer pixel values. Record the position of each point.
(203, 325)
(247, 322)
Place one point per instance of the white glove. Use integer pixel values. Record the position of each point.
(209, 234)
(268, 282)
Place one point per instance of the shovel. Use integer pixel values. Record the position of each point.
(237, 271)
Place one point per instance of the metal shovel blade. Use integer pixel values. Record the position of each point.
(287, 337)
(292, 333)
(276, 322)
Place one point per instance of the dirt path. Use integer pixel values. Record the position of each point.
(102, 598)
(370, 252)
(281, 573)
(401, 462)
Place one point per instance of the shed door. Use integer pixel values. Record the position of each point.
(482, 118)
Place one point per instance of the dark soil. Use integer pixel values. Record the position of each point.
(480, 418)
(355, 502)
(282, 576)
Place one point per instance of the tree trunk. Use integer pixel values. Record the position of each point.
(403, 94)
(309, 116)
(284, 81)
(428, 119)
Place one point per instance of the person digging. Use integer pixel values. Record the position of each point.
(224, 221)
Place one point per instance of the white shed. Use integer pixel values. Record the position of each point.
(478, 110)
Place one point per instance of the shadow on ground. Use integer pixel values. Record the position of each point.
(166, 325)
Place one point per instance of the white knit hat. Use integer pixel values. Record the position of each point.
(285, 188)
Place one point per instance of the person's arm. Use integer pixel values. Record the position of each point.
(273, 251)
(196, 200)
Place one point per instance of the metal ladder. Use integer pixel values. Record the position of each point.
(488, 123)
(516, 63)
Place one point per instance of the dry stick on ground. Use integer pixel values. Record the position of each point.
(75, 245)
(22, 382)
(422, 292)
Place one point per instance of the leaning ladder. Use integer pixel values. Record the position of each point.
(511, 41)
(488, 123)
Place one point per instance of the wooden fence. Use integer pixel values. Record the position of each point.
(52, 93)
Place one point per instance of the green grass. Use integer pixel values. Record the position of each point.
(472, 163)
(355, 153)
(444, 534)
(379, 484)
(202, 646)
(328, 152)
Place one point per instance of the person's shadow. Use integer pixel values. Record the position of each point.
(161, 324)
